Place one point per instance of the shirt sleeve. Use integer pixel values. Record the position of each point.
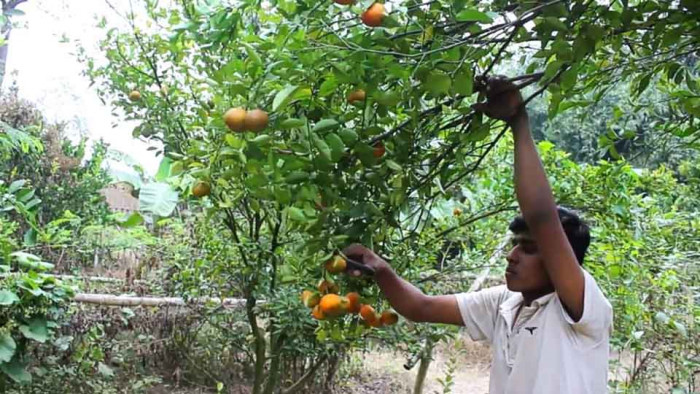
(479, 311)
(596, 321)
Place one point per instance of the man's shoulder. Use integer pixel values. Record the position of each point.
(498, 293)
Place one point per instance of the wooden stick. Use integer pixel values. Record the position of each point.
(124, 300)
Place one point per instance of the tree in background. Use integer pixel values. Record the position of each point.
(9, 9)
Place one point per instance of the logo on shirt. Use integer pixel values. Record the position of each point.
(531, 330)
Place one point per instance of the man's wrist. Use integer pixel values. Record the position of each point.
(520, 119)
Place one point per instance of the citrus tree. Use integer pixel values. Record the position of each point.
(304, 126)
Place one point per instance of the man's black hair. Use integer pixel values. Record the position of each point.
(577, 231)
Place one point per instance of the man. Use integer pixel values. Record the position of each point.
(549, 326)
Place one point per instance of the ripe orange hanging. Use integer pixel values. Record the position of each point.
(333, 305)
(355, 305)
(235, 119)
(374, 15)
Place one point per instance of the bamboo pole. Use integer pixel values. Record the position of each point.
(124, 300)
(100, 279)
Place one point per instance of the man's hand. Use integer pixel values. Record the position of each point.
(503, 99)
(367, 257)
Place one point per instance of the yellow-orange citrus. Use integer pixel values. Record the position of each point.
(379, 150)
(256, 120)
(333, 305)
(310, 298)
(357, 95)
(235, 119)
(325, 286)
(354, 299)
(336, 265)
(135, 95)
(201, 189)
(374, 15)
(389, 318)
(317, 313)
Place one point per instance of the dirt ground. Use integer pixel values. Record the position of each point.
(383, 372)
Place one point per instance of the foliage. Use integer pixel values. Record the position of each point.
(283, 200)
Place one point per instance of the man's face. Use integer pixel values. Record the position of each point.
(525, 271)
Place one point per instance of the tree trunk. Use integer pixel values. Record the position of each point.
(259, 343)
(426, 358)
(273, 375)
(3, 51)
(7, 6)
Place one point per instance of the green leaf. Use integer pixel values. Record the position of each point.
(388, 99)
(325, 124)
(252, 54)
(158, 198)
(7, 347)
(297, 177)
(472, 15)
(261, 139)
(393, 165)
(337, 146)
(322, 147)
(662, 318)
(296, 214)
(104, 370)
(464, 82)
(438, 83)
(29, 261)
(289, 94)
(328, 86)
(16, 372)
(135, 219)
(568, 79)
(164, 169)
(30, 237)
(8, 298)
(554, 23)
(292, 123)
(348, 136)
(36, 330)
(16, 185)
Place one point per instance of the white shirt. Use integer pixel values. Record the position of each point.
(545, 351)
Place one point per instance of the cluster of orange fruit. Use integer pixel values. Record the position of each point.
(238, 119)
(326, 303)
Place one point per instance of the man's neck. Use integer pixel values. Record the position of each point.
(529, 296)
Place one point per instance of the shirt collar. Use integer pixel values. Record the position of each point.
(509, 307)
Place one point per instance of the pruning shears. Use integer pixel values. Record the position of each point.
(354, 265)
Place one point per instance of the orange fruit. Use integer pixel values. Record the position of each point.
(457, 212)
(310, 298)
(357, 95)
(354, 299)
(201, 189)
(379, 150)
(235, 119)
(373, 16)
(333, 305)
(389, 318)
(376, 321)
(325, 287)
(135, 95)
(256, 120)
(367, 312)
(317, 313)
(336, 265)
(344, 2)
